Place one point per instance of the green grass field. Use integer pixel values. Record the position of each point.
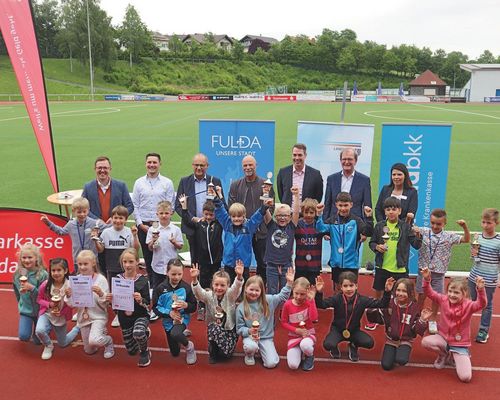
(127, 131)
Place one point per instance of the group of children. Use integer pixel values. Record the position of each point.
(237, 303)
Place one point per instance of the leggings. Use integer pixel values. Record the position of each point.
(358, 338)
(135, 335)
(175, 337)
(95, 335)
(395, 355)
(294, 355)
(437, 344)
(270, 357)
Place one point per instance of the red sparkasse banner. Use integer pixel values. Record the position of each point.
(16, 24)
(17, 227)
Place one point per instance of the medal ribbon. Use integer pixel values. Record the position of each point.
(457, 319)
(81, 238)
(348, 321)
(432, 253)
(400, 320)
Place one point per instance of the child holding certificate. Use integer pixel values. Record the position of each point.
(134, 324)
(92, 319)
(348, 308)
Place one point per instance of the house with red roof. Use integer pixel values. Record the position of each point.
(427, 84)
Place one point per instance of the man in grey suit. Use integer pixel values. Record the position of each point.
(306, 178)
(348, 180)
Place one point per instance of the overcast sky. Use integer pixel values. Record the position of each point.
(462, 25)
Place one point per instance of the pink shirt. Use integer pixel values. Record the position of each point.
(454, 322)
(298, 180)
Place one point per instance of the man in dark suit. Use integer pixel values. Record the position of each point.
(104, 194)
(350, 181)
(307, 179)
(195, 188)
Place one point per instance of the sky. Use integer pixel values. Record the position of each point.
(453, 25)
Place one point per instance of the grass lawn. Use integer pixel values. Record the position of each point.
(127, 131)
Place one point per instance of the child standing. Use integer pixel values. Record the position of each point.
(279, 242)
(308, 243)
(346, 233)
(78, 228)
(208, 252)
(92, 320)
(135, 324)
(348, 308)
(486, 256)
(173, 300)
(453, 339)
(297, 318)
(238, 233)
(29, 275)
(435, 254)
(163, 241)
(221, 310)
(403, 321)
(54, 312)
(255, 319)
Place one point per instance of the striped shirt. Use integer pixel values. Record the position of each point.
(488, 265)
(308, 246)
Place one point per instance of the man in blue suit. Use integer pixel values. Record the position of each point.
(104, 194)
(350, 181)
(306, 178)
(194, 187)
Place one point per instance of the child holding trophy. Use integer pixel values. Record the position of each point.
(30, 273)
(54, 313)
(485, 251)
(220, 305)
(255, 319)
(297, 318)
(173, 300)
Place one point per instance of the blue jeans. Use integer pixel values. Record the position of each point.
(43, 328)
(488, 311)
(276, 277)
(26, 327)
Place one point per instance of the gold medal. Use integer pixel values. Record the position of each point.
(85, 315)
(346, 333)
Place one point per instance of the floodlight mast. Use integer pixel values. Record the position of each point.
(90, 55)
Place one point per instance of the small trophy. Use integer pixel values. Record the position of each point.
(95, 232)
(219, 315)
(155, 232)
(175, 307)
(56, 299)
(23, 279)
(256, 334)
(266, 187)
(211, 190)
(475, 245)
(385, 236)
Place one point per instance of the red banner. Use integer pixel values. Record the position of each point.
(193, 97)
(16, 24)
(18, 227)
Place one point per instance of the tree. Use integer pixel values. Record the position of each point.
(237, 52)
(390, 61)
(374, 55)
(46, 17)
(134, 36)
(486, 57)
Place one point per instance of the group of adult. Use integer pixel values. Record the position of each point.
(104, 193)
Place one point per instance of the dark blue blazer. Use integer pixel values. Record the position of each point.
(119, 196)
(312, 187)
(186, 186)
(408, 205)
(361, 193)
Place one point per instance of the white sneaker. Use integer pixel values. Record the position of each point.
(74, 318)
(433, 327)
(109, 350)
(249, 360)
(190, 353)
(115, 323)
(187, 332)
(440, 361)
(47, 352)
(152, 316)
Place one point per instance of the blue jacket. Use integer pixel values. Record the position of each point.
(237, 239)
(163, 299)
(345, 233)
(119, 196)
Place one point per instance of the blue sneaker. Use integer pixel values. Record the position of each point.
(308, 363)
(482, 336)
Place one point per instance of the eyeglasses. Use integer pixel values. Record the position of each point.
(282, 215)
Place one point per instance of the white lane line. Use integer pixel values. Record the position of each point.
(457, 111)
(320, 359)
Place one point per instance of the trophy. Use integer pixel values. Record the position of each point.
(56, 299)
(22, 280)
(219, 315)
(211, 190)
(95, 232)
(155, 232)
(266, 187)
(176, 306)
(256, 334)
(475, 245)
(385, 236)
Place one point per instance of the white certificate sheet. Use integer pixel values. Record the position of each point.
(81, 287)
(123, 294)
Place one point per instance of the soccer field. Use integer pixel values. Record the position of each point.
(127, 131)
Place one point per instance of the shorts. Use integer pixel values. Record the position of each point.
(337, 271)
(381, 275)
(437, 282)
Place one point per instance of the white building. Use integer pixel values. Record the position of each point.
(484, 81)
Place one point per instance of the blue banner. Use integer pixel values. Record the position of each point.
(425, 150)
(226, 142)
